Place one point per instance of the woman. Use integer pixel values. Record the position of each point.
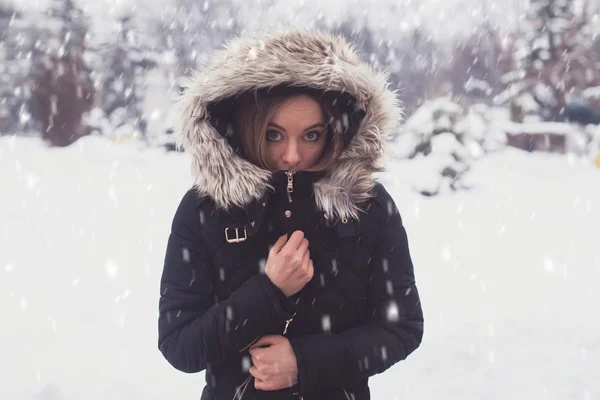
(287, 273)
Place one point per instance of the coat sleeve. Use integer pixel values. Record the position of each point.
(194, 331)
(393, 329)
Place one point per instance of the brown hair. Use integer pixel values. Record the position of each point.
(254, 110)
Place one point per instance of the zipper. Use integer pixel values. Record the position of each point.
(290, 184)
(287, 324)
(241, 390)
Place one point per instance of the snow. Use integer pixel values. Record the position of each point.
(507, 271)
(591, 93)
(434, 116)
(540, 128)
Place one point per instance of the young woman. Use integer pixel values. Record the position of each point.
(287, 273)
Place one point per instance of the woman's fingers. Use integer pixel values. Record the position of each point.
(294, 242)
(255, 373)
(279, 244)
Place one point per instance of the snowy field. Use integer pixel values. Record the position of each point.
(508, 272)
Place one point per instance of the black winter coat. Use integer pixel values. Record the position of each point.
(359, 315)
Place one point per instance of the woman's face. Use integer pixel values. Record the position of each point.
(296, 137)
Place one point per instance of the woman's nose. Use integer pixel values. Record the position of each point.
(291, 155)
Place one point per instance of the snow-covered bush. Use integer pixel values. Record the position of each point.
(439, 132)
(447, 139)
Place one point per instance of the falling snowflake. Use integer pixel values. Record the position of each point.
(326, 323)
(491, 356)
(32, 181)
(548, 265)
(193, 277)
(390, 287)
(446, 253)
(185, 254)
(246, 363)
(262, 265)
(393, 314)
(345, 121)
(112, 269)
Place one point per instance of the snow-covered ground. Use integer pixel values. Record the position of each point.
(508, 274)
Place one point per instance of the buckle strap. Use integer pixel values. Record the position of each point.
(237, 238)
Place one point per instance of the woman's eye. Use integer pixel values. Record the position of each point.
(272, 135)
(313, 136)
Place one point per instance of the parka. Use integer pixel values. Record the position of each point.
(361, 312)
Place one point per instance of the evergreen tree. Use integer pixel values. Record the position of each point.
(190, 30)
(121, 67)
(555, 54)
(412, 60)
(477, 64)
(17, 47)
(62, 89)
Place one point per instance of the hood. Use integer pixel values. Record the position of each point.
(302, 58)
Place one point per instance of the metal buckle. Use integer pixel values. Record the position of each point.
(237, 239)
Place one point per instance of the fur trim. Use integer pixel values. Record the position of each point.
(313, 59)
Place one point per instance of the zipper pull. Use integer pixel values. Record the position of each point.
(290, 184)
(287, 323)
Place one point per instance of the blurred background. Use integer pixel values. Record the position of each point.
(495, 169)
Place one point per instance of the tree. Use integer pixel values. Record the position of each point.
(188, 31)
(8, 101)
(412, 60)
(415, 63)
(556, 55)
(121, 63)
(477, 64)
(62, 89)
(17, 46)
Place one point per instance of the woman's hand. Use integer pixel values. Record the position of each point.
(275, 367)
(289, 266)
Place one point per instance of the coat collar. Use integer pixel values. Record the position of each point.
(313, 59)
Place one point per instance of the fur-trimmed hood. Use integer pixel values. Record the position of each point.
(305, 58)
